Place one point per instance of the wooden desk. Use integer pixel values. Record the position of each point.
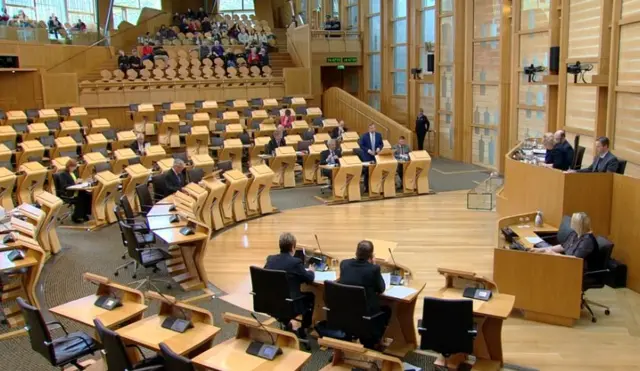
(257, 149)
(347, 356)
(121, 159)
(232, 131)
(84, 310)
(36, 131)
(77, 114)
(311, 164)
(164, 221)
(313, 112)
(348, 147)
(90, 161)
(7, 181)
(232, 150)
(231, 354)
(48, 237)
(298, 127)
(292, 140)
(15, 117)
(269, 103)
(96, 141)
(103, 199)
(169, 131)
(240, 104)
(123, 139)
(488, 316)
(415, 177)
(321, 138)
(30, 181)
(29, 148)
(382, 176)
(208, 106)
(350, 136)
(149, 332)
(63, 146)
(201, 119)
(266, 129)
(259, 191)
(203, 161)
(282, 166)
(68, 128)
(212, 212)
(230, 117)
(152, 154)
(346, 179)
(329, 124)
(98, 126)
(298, 101)
(175, 108)
(198, 141)
(234, 195)
(136, 175)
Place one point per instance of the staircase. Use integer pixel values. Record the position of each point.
(94, 75)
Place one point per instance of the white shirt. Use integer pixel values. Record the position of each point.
(373, 140)
(604, 154)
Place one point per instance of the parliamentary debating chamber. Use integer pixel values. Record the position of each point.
(326, 185)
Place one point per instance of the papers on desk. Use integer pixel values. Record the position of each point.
(387, 279)
(534, 240)
(325, 276)
(79, 186)
(399, 292)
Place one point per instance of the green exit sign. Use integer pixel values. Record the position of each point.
(342, 60)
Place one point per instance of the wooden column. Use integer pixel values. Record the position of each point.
(505, 82)
(459, 9)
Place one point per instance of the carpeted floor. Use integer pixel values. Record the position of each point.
(100, 252)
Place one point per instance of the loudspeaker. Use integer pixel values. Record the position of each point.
(554, 59)
(9, 61)
(431, 62)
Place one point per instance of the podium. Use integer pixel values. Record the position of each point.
(103, 200)
(64, 147)
(174, 108)
(98, 126)
(30, 181)
(121, 159)
(51, 205)
(35, 131)
(212, 213)
(258, 148)
(382, 176)
(232, 150)
(68, 128)
(7, 182)
(311, 164)
(198, 141)
(298, 127)
(415, 176)
(32, 150)
(123, 139)
(282, 165)
(136, 175)
(346, 179)
(233, 198)
(230, 117)
(95, 142)
(204, 162)
(169, 131)
(90, 161)
(201, 119)
(78, 114)
(258, 191)
(152, 155)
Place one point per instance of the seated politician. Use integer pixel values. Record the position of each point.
(362, 272)
(604, 162)
(175, 178)
(580, 243)
(277, 140)
(560, 138)
(296, 275)
(330, 156)
(80, 199)
(139, 145)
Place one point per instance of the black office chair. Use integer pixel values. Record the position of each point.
(130, 216)
(622, 166)
(286, 100)
(347, 312)
(195, 175)
(245, 138)
(220, 127)
(256, 102)
(145, 199)
(101, 166)
(70, 154)
(77, 137)
(255, 125)
(577, 157)
(173, 361)
(596, 277)
(20, 127)
(7, 164)
(301, 111)
(303, 145)
(102, 150)
(115, 351)
(225, 166)
(144, 255)
(563, 232)
(32, 113)
(159, 187)
(62, 351)
(229, 102)
(275, 112)
(181, 156)
(52, 125)
(133, 161)
(318, 122)
(447, 326)
(189, 116)
(217, 141)
(63, 195)
(308, 135)
(271, 295)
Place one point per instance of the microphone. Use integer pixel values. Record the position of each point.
(322, 266)
(172, 323)
(262, 350)
(273, 341)
(396, 279)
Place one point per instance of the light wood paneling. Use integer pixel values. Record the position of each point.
(629, 62)
(299, 45)
(534, 14)
(297, 81)
(21, 90)
(486, 61)
(630, 7)
(60, 89)
(48, 55)
(627, 126)
(581, 106)
(584, 28)
(486, 18)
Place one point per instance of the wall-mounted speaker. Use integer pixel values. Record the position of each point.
(431, 62)
(9, 61)
(554, 59)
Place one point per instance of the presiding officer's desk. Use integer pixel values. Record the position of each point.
(547, 287)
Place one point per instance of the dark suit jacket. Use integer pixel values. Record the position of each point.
(296, 273)
(273, 144)
(66, 180)
(356, 272)
(422, 124)
(608, 164)
(559, 157)
(584, 247)
(324, 155)
(365, 145)
(136, 148)
(568, 152)
(174, 182)
(335, 133)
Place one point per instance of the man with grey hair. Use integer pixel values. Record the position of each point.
(174, 178)
(296, 275)
(330, 156)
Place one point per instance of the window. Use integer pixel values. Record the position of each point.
(352, 15)
(374, 6)
(400, 31)
(374, 72)
(429, 25)
(400, 57)
(40, 10)
(374, 101)
(399, 8)
(236, 6)
(129, 10)
(399, 83)
(374, 34)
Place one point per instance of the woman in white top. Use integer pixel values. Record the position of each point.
(243, 37)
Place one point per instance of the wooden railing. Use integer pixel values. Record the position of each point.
(357, 115)
(299, 45)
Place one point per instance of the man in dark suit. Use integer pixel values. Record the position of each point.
(277, 140)
(362, 272)
(604, 162)
(564, 150)
(175, 178)
(337, 132)
(330, 156)
(296, 275)
(139, 145)
(371, 144)
(422, 128)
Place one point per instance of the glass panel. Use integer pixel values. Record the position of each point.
(249, 4)
(374, 6)
(118, 16)
(446, 45)
(428, 100)
(486, 61)
(486, 103)
(446, 5)
(26, 3)
(374, 101)
(14, 10)
(375, 80)
(154, 4)
(352, 17)
(88, 19)
(399, 83)
(534, 14)
(80, 6)
(446, 135)
(127, 3)
(45, 8)
(352, 2)
(133, 15)
(484, 147)
(230, 5)
(446, 88)
(426, 3)
(399, 8)
(374, 34)
(400, 31)
(530, 124)
(428, 26)
(400, 58)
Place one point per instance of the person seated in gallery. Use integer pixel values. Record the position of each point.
(287, 120)
(604, 162)
(297, 275)
(123, 61)
(80, 199)
(134, 60)
(264, 57)
(580, 243)
(331, 157)
(175, 178)
(253, 59)
(555, 157)
(217, 50)
(80, 26)
(362, 272)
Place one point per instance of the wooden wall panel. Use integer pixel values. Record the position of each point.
(581, 107)
(584, 28)
(627, 126)
(625, 214)
(20, 91)
(629, 61)
(297, 81)
(630, 7)
(486, 18)
(60, 89)
(534, 14)
(398, 110)
(486, 61)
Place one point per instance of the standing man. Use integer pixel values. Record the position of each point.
(370, 144)
(296, 275)
(422, 128)
(174, 178)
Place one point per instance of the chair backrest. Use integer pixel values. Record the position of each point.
(447, 326)
(220, 126)
(159, 187)
(225, 165)
(245, 138)
(144, 197)
(565, 229)
(622, 165)
(173, 361)
(271, 294)
(217, 141)
(114, 349)
(37, 329)
(131, 242)
(605, 248)
(185, 129)
(127, 209)
(53, 124)
(101, 166)
(347, 308)
(110, 134)
(117, 211)
(48, 140)
(577, 159)
(134, 160)
(195, 175)
(181, 156)
(57, 183)
(303, 145)
(77, 136)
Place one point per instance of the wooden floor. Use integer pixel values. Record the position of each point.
(435, 231)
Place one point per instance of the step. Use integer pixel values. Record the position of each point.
(11, 286)
(182, 277)
(191, 285)
(177, 268)
(16, 321)
(13, 294)
(175, 261)
(11, 310)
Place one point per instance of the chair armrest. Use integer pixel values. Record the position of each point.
(57, 323)
(151, 368)
(295, 299)
(87, 345)
(139, 350)
(591, 273)
(369, 318)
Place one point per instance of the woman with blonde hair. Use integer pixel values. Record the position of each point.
(80, 199)
(554, 157)
(580, 243)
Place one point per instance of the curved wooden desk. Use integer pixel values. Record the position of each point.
(382, 176)
(346, 179)
(90, 161)
(234, 194)
(232, 151)
(415, 176)
(212, 214)
(7, 182)
(136, 175)
(259, 191)
(123, 139)
(51, 205)
(121, 159)
(30, 181)
(311, 164)
(282, 165)
(103, 200)
(29, 149)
